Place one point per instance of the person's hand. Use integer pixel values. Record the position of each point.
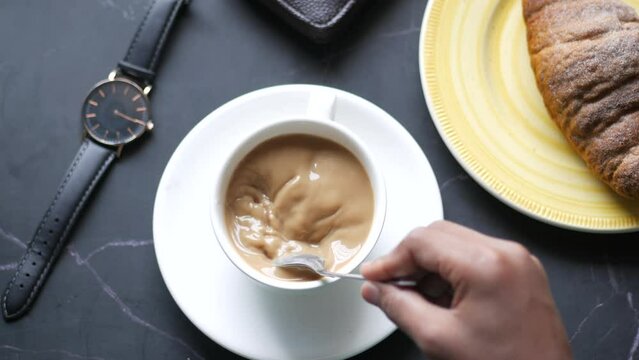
(501, 306)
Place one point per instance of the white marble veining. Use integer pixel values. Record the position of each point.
(9, 266)
(117, 243)
(635, 342)
(612, 278)
(115, 297)
(84, 261)
(457, 178)
(616, 291)
(12, 238)
(127, 11)
(403, 32)
(585, 320)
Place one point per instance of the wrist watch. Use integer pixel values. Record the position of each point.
(116, 112)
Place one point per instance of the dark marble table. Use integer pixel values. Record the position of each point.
(106, 298)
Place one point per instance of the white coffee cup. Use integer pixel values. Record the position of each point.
(318, 121)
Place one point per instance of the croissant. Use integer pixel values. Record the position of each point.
(585, 56)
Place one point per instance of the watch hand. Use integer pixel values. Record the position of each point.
(128, 118)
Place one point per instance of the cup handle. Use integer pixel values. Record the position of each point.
(321, 105)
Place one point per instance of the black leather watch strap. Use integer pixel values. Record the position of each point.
(143, 55)
(89, 165)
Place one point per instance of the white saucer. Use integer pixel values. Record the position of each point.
(331, 322)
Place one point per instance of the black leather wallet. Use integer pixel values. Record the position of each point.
(320, 20)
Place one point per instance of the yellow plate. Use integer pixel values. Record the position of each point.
(482, 96)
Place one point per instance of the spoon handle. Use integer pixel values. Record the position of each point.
(397, 282)
(345, 276)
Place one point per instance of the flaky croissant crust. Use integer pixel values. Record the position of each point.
(585, 55)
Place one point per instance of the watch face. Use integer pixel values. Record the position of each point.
(116, 112)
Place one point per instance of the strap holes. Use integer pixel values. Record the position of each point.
(21, 285)
(40, 253)
(57, 220)
(50, 231)
(45, 243)
(33, 263)
(27, 274)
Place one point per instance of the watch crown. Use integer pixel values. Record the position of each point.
(149, 125)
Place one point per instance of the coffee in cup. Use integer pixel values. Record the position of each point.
(298, 194)
(271, 200)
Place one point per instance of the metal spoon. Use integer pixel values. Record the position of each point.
(316, 264)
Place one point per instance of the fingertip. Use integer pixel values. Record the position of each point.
(370, 293)
(364, 267)
(374, 269)
(397, 263)
(537, 262)
(367, 268)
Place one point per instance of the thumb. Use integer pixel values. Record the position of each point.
(429, 325)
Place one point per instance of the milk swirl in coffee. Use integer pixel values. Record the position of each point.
(298, 194)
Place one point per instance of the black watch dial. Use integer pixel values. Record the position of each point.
(116, 112)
